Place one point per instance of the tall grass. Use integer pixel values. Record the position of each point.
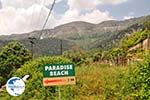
(93, 82)
(96, 82)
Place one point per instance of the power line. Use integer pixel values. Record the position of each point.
(32, 39)
(50, 11)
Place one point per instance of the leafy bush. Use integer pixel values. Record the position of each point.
(12, 56)
(97, 56)
(76, 54)
(134, 39)
(34, 86)
(115, 56)
(139, 80)
(93, 82)
(147, 24)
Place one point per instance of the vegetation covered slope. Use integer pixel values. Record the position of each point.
(90, 82)
(95, 81)
(86, 35)
(43, 47)
(12, 56)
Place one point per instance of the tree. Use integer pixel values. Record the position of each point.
(97, 56)
(76, 54)
(147, 24)
(12, 56)
(116, 55)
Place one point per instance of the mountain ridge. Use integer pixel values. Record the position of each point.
(77, 28)
(83, 34)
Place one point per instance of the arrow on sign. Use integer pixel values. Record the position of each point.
(58, 81)
(53, 81)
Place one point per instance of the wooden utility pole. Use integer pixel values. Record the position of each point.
(32, 45)
(61, 47)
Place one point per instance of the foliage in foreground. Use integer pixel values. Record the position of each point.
(12, 56)
(139, 80)
(34, 86)
(92, 82)
(76, 54)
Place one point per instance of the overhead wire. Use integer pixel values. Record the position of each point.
(44, 25)
(50, 11)
(47, 18)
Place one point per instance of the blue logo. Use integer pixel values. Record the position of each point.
(15, 86)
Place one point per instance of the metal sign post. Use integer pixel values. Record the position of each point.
(59, 93)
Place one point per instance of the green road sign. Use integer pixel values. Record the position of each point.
(58, 70)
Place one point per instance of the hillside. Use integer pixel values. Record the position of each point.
(115, 74)
(45, 46)
(116, 37)
(103, 35)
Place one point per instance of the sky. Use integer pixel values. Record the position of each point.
(22, 16)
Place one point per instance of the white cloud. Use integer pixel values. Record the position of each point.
(22, 20)
(111, 2)
(26, 3)
(82, 4)
(127, 17)
(20, 16)
(91, 4)
(95, 16)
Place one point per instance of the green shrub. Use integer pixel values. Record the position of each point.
(97, 56)
(139, 80)
(34, 86)
(134, 38)
(77, 55)
(12, 56)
